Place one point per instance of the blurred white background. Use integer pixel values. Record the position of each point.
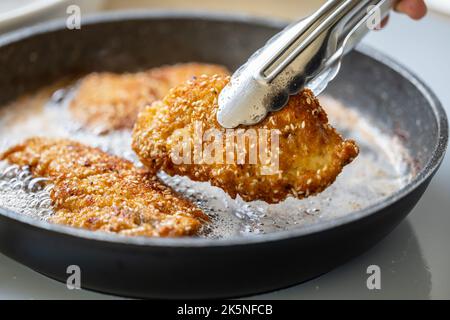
(13, 13)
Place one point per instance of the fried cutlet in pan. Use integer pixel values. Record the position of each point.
(98, 191)
(310, 152)
(109, 101)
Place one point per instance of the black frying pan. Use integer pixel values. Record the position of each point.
(208, 268)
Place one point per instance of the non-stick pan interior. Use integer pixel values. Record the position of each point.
(384, 109)
(396, 106)
(127, 45)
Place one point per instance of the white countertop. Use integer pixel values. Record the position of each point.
(414, 259)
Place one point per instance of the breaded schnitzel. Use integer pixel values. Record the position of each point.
(310, 152)
(108, 101)
(98, 191)
(168, 77)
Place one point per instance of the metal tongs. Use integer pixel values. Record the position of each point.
(307, 53)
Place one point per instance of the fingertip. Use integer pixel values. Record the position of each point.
(415, 9)
(385, 22)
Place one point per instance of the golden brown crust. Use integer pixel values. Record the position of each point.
(108, 101)
(168, 77)
(311, 152)
(98, 191)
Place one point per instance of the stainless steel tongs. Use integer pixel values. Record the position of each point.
(307, 53)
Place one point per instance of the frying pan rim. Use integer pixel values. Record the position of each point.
(425, 173)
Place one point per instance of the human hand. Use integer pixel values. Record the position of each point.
(415, 9)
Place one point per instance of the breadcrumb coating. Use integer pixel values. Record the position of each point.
(168, 77)
(98, 191)
(108, 101)
(311, 153)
